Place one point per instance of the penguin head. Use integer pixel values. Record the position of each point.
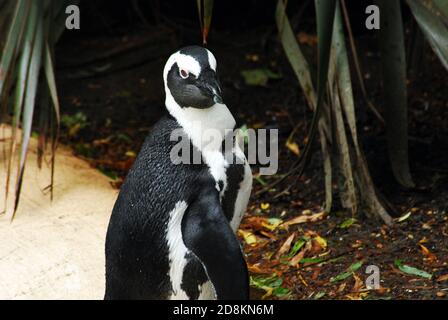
(191, 80)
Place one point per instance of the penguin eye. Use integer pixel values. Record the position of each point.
(184, 73)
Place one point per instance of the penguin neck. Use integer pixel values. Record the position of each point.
(206, 128)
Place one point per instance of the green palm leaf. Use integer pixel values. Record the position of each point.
(395, 91)
(27, 52)
(432, 17)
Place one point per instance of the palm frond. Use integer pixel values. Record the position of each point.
(26, 61)
(432, 17)
(205, 9)
(393, 59)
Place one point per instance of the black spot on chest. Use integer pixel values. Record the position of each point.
(194, 276)
(220, 185)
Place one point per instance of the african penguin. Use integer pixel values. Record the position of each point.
(172, 230)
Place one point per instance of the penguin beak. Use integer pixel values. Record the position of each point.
(217, 98)
(212, 87)
(215, 90)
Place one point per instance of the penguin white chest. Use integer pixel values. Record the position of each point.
(217, 167)
(178, 253)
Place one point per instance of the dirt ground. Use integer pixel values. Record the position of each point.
(112, 98)
(54, 249)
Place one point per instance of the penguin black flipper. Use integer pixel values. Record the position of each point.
(207, 233)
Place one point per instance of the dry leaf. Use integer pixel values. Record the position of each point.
(443, 278)
(257, 268)
(299, 256)
(271, 224)
(321, 242)
(316, 273)
(304, 219)
(294, 262)
(285, 246)
(382, 290)
(303, 280)
(248, 237)
(257, 223)
(293, 147)
(429, 255)
(358, 283)
(342, 287)
(423, 240)
(268, 235)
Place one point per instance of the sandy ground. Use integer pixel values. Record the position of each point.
(55, 250)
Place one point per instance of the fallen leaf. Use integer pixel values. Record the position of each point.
(248, 237)
(411, 270)
(321, 241)
(258, 223)
(131, 154)
(426, 226)
(358, 284)
(357, 296)
(423, 240)
(342, 287)
(259, 269)
(307, 261)
(347, 223)
(259, 77)
(344, 275)
(305, 218)
(296, 247)
(382, 290)
(293, 147)
(297, 258)
(261, 181)
(285, 246)
(300, 257)
(404, 217)
(429, 255)
(443, 278)
(268, 235)
(272, 223)
(316, 273)
(264, 206)
(303, 280)
(357, 244)
(272, 285)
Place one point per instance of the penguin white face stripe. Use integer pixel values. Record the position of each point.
(211, 60)
(184, 62)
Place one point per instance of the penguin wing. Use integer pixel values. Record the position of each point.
(207, 233)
